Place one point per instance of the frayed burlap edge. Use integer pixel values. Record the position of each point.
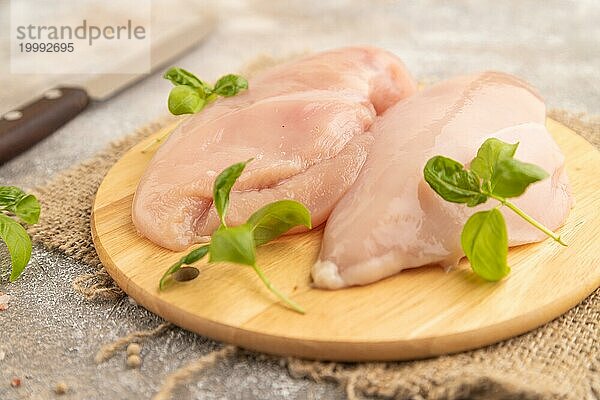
(110, 349)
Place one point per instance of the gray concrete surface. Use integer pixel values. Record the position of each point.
(50, 333)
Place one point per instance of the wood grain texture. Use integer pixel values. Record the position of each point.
(418, 313)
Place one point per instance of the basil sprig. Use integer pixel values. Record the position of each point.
(191, 94)
(494, 173)
(21, 207)
(237, 244)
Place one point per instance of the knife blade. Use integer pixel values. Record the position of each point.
(28, 124)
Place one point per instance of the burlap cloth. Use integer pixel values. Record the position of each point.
(558, 360)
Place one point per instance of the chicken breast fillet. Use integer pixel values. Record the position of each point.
(304, 124)
(391, 219)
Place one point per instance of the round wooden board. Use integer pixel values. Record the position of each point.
(418, 313)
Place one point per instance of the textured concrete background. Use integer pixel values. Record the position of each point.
(50, 333)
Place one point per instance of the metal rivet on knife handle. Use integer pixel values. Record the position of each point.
(38, 119)
(53, 94)
(13, 115)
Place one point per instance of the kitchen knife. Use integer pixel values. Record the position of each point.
(24, 126)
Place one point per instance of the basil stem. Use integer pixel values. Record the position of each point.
(529, 219)
(291, 303)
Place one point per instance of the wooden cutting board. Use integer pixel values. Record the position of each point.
(418, 313)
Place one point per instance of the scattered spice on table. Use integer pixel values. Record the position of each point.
(134, 361)
(61, 388)
(15, 382)
(4, 299)
(133, 349)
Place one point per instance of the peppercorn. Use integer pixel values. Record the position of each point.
(61, 388)
(134, 361)
(133, 349)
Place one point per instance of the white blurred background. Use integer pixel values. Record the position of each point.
(553, 44)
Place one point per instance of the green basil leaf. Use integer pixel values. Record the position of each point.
(179, 76)
(452, 182)
(485, 242)
(185, 100)
(10, 195)
(195, 255)
(212, 97)
(190, 258)
(27, 209)
(276, 218)
(172, 269)
(489, 154)
(18, 243)
(230, 85)
(235, 244)
(223, 185)
(512, 177)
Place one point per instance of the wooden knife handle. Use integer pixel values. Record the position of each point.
(22, 128)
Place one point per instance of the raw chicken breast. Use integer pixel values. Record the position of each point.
(304, 124)
(391, 219)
